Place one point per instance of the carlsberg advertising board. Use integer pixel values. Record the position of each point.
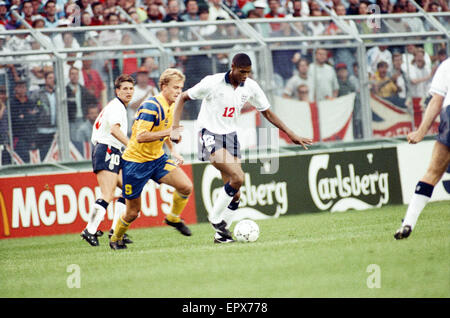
(332, 182)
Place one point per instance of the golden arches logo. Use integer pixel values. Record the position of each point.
(4, 216)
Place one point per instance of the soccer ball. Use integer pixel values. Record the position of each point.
(246, 231)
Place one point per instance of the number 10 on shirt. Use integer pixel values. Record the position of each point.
(229, 111)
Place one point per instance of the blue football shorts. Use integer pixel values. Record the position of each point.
(135, 174)
(444, 127)
(105, 157)
(209, 142)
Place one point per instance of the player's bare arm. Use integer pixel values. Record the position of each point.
(432, 111)
(117, 133)
(179, 104)
(175, 155)
(277, 122)
(149, 136)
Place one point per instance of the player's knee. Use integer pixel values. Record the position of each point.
(186, 188)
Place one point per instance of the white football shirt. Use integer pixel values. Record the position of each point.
(441, 82)
(115, 112)
(222, 104)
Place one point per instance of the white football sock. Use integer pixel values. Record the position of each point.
(225, 197)
(418, 201)
(119, 209)
(96, 218)
(416, 205)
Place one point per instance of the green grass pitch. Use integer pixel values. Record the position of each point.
(349, 254)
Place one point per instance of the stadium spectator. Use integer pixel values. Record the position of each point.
(316, 27)
(23, 121)
(247, 7)
(27, 11)
(12, 23)
(215, 10)
(353, 7)
(93, 81)
(377, 54)
(111, 36)
(154, 14)
(37, 65)
(300, 77)
(205, 31)
(274, 8)
(72, 61)
(323, 76)
(39, 23)
(420, 75)
(46, 103)
(142, 90)
(385, 6)
(84, 132)
(97, 14)
(397, 24)
(408, 57)
(415, 24)
(382, 84)
(16, 43)
(3, 13)
(173, 12)
(399, 78)
(128, 64)
(191, 11)
(234, 7)
(303, 93)
(257, 13)
(78, 98)
(345, 85)
(51, 19)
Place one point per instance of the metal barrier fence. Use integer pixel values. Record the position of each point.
(322, 75)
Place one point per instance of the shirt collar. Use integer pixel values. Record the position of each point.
(121, 102)
(227, 78)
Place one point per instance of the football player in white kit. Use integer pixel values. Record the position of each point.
(223, 96)
(109, 136)
(440, 157)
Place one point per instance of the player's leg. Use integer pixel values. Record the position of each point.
(178, 179)
(440, 159)
(133, 207)
(107, 182)
(228, 165)
(119, 210)
(230, 211)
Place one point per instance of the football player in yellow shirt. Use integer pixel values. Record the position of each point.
(144, 158)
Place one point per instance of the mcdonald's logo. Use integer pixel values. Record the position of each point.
(6, 230)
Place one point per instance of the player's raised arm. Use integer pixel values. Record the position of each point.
(176, 129)
(277, 122)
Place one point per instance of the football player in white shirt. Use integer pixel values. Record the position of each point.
(223, 96)
(440, 157)
(109, 135)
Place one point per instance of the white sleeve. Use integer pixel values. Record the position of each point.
(201, 89)
(258, 98)
(440, 84)
(114, 115)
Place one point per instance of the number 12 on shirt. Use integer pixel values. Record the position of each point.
(229, 111)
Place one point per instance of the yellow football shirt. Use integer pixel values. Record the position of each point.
(154, 114)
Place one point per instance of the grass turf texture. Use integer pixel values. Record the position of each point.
(308, 255)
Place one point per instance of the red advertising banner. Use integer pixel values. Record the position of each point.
(60, 204)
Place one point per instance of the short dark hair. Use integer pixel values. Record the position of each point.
(123, 78)
(241, 60)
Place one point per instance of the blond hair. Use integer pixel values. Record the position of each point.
(168, 75)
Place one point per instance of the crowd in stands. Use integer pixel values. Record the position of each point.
(395, 73)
